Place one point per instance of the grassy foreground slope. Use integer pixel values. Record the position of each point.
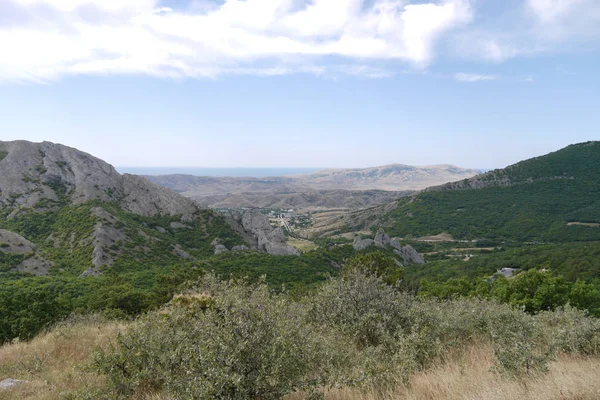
(356, 337)
(552, 198)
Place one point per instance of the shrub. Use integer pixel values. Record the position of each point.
(519, 343)
(235, 341)
(572, 331)
(238, 340)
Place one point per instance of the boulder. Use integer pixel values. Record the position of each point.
(187, 218)
(240, 248)
(178, 251)
(10, 383)
(410, 255)
(361, 244)
(381, 239)
(178, 225)
(220, 249)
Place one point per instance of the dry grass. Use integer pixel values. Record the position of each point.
(468, 377)
(54, 363)
(301, 245)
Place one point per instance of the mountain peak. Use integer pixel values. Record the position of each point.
(42, 175)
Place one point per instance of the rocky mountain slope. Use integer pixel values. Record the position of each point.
(348, 188)
(36, 175)
(63, 211)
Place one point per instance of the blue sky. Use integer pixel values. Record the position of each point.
(296, 83)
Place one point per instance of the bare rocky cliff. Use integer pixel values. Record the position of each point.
(34, 175)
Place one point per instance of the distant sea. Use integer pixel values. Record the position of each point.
(247, 172)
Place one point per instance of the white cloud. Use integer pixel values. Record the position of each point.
(561, 19)
(473, 78)
(62, 37)
(528, 28)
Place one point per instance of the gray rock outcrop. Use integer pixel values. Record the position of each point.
(32, 172)
(220, 249)
(178, 251)
(13, 243)
(105, 236)
(507, 272)
(361, 244)
(10, 383)
(178, 225)
(382, 239)
(409, 255)
(255, 227)
(240, 248)
(35, 265)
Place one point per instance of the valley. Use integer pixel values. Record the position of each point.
(327, 189)
(80, 240)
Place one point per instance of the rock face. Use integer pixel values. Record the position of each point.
(408, 254)
(35, 265)
(381, 239)
(240, 248)
(361, 244)
(13, 243)
(178, 251)
(105, 235)
(255, 228)
(220, 249)
(34, 173)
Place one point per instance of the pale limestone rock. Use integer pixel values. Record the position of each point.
(361, 244)
(37, 171)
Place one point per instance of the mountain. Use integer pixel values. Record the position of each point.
(41, 175)
(63, 211)
(552, 198)
(347, 188)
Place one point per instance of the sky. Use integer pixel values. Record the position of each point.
(301, 83)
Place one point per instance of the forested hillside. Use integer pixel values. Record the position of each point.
(553, 198)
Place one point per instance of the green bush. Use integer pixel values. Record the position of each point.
(227, 340)
(239, 340)
(521, 345)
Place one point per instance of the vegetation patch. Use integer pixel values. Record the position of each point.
(238, 340)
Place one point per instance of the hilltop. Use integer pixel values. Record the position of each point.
(553, 198)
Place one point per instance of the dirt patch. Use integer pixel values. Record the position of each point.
(301, 245)
(442, 237)
(473, 248)
(590, 224)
